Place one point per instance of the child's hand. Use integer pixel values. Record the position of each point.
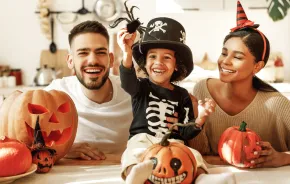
(125, 40)
(172, 120)
(205, 108)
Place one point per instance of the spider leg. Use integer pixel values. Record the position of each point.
(127, 10)
(150, 34)
(143, 27)
(131, 11)
(140, 40)
(141, 30)
(117, 22)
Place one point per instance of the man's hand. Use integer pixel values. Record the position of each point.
(85, 151)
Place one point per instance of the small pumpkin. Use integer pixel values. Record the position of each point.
(42, 156)
(57, 118)
(173, 162)
(15, 157)
(237, 145)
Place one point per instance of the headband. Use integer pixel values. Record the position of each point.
(243, 22)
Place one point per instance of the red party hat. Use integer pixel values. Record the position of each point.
(243, 22)
(242, 19)
(241, 15)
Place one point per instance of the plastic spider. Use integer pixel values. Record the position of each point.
(133, 24)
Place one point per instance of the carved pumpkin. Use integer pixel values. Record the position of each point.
(237, 145)
(13, 151)
(173, 162)
(44, 159)
(57, 118)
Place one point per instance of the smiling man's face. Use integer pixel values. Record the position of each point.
(90, 59)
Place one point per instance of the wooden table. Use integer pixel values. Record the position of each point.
(72, 171)
(109, 172)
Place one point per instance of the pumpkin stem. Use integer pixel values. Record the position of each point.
(164, 141)
(243, 127)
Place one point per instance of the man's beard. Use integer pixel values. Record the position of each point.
(93, 84)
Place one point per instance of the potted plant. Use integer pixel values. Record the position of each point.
(277, 9)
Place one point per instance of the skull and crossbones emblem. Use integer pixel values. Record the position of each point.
(157, 26)
(183, 36)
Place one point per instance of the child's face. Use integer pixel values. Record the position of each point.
(160, 65)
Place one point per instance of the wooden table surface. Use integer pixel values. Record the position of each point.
(69, 171)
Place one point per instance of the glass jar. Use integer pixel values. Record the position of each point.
(18, 75)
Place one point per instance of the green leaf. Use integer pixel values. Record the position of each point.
(277, 9)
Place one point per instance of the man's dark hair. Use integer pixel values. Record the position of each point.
(88, 27)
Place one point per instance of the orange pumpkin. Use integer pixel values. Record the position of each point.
(57, 118)
(44, 159)
(173, 163)
(15, 157)
(237, 145)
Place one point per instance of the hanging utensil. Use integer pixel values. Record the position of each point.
(83, 10)
(52, 46)
(107, 10)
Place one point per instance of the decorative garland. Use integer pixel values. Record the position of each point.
(44, 17)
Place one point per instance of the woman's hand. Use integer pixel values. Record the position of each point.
(269, 157)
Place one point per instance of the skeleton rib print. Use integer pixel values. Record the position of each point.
(156, 113)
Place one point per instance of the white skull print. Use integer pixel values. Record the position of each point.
(183, 36)
(158, 26)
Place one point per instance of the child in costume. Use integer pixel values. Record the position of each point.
(164, 56)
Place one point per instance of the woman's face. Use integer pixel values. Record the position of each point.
(160, 65)
(236, 63)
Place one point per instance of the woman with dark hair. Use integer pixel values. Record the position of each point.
(241, 96)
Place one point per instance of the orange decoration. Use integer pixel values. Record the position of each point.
(15, 157)
(173, 163)
(57, 113)
(237, 145)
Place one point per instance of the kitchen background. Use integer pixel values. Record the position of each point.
(23, 44)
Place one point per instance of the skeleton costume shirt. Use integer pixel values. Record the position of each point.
(152, 104)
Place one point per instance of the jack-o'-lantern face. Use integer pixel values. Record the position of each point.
(43, 159)
(57, 118)
(55, 122)
(172, 164)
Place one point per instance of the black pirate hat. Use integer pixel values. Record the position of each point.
(164, 32)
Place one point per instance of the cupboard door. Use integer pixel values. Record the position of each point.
(191, 5)
(247, 4)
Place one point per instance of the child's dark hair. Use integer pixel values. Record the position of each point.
(254, 41)
(178, 75)
(88, 27)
